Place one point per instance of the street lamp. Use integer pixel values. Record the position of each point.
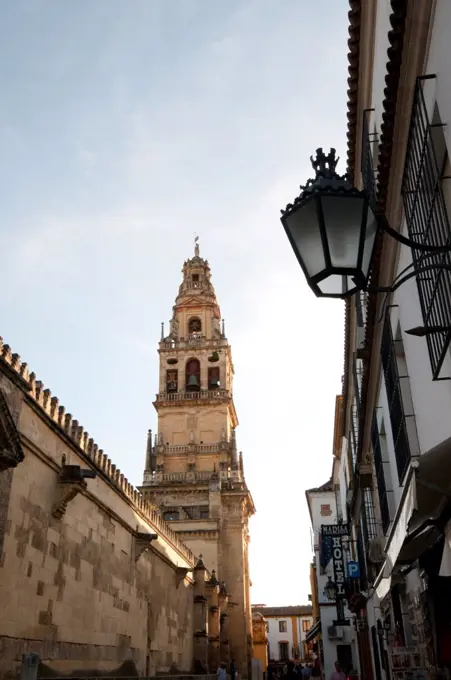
(332, 228)
(330, 590)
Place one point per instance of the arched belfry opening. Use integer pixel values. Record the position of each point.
(195, 328)
(193, 375)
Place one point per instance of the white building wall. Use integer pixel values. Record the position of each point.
(275, 636)
(431, 401)
(328, 611)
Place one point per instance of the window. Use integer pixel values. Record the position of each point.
(194, 328)
(195, 278)
(282, 626)
(171, 380)
(368, 517)
(394, 396)
(213, 378)
(306, 625)
(193, 375)
(171, 515)
(427, 221)
(204, 512)
(380, 476)
(283, 651)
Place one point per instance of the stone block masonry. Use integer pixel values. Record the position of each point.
(89, 571)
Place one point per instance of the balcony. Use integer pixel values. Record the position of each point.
(196, 341)
(226, 478)
(203, 395)
(181, 449)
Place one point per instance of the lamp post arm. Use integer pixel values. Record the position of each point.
(410, 275)
(384, 225)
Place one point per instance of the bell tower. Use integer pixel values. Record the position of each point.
(193, 472)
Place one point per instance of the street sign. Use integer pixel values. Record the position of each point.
(353, 570)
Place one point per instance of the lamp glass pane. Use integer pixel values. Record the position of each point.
(343, 223)
(370, 235)
(303, 227)
(335, 284)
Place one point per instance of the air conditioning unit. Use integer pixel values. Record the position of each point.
(335, 632)
(375, 551)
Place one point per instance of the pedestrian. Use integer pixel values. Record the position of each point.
(232, 670)
(306, 671)
(338, 673)
(221, 673)
(291, 671)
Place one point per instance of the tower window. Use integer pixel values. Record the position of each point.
(195, 280)
(194, 328)
(213, 378)
(193, 375)
(171, 381)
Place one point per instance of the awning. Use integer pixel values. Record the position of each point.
(426, 493)
(313, 632)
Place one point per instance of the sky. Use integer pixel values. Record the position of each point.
(126, 127)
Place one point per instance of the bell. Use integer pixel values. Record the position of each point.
(193, 383)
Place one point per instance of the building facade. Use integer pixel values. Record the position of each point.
(91, 577)
(287, 631)
(193, 472)
(333, 633)
(392, 469)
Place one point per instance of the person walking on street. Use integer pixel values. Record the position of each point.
(338, 673)
(232, 670)
(221, 673)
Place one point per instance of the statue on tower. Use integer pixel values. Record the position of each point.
(196, 246)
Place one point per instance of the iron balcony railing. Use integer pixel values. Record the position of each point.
(394, 396)
(428, 223)
(380, 476)
(369, 525)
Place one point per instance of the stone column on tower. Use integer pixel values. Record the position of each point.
(197, 479)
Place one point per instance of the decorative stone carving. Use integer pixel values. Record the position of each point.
(142, 543)
(11, 453)
(71, 481)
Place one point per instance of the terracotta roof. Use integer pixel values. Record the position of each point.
(354, 16)
(327, 486)
(353, 79)
(394, 52)
(297, 610)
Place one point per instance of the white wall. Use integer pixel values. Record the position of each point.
(274, 636)
(328, 612)
(431, 401)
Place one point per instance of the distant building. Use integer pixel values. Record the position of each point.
(334, 636)
(287, 630)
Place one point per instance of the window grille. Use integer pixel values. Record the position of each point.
(427, 222)
(380, 477)
(369, 525)
(396, 409)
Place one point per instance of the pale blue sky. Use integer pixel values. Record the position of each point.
(125, 127)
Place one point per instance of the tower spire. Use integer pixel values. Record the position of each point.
(196, 246)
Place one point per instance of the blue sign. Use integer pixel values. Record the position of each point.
(353, 570)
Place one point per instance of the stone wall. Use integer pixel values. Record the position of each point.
(78, 582)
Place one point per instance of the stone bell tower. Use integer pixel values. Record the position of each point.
(193, 472)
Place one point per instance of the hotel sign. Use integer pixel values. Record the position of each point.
(336, 533)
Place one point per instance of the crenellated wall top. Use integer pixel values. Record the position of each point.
(51, 407)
